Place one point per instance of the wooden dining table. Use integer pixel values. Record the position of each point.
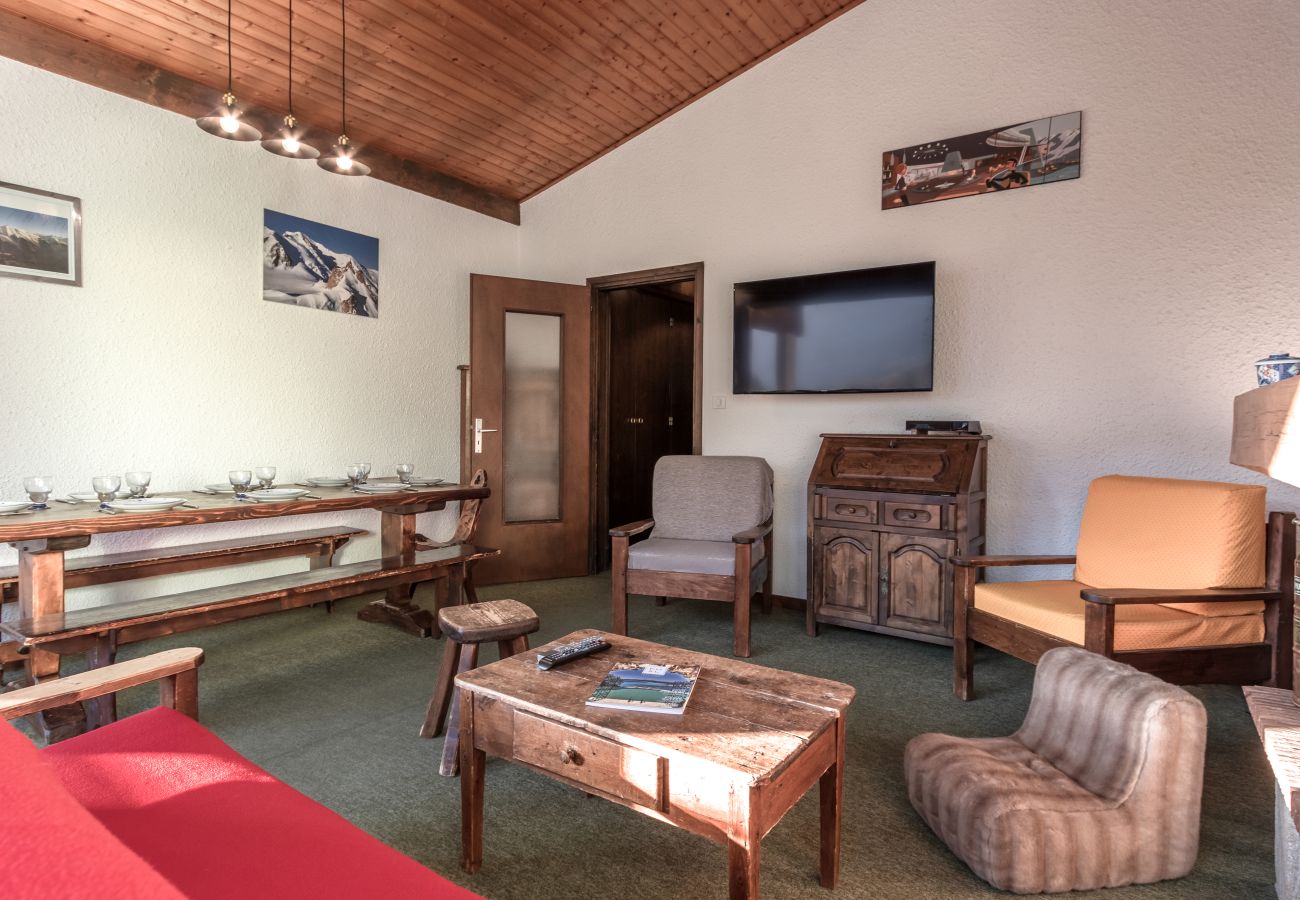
(43, 537)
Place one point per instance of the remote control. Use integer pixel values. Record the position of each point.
(558, 656)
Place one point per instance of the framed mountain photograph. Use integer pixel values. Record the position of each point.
(40, 235)
(306, 263)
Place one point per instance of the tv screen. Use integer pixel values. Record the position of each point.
(867, 330)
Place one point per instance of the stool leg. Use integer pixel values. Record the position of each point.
(442, 691)
(513, 646)
(451, 743)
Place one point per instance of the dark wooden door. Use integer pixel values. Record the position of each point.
(846, 574)
(651, 354)
(917, 583)
(530, 420)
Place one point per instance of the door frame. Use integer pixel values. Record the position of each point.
(599, 542)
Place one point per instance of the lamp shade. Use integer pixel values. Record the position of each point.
(289, 141)
(227, 121)
(340, 160)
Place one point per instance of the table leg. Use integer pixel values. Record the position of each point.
(832, 808)
(450, 766)
(743, 841)
(397, 540)
(472, 764)
(40, 593)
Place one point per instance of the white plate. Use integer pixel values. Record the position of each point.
(425, 480)
(92, 497)
(13, 506)
(276, 494)
(220, 488)
(327, 481)
(380, 487)
(146, 504)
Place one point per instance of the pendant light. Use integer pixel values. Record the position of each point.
(288, 141)
(226, 121)
(340, 159)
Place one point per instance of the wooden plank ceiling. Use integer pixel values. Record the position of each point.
(508, 96)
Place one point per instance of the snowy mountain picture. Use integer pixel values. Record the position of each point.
(306, 263)
(40, 234)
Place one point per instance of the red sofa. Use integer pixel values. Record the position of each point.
(156, 806)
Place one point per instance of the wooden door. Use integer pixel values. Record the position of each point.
(846, 574)
(530, 412)
(917, 584)
(650, 400)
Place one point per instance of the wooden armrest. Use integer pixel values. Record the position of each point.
(1122, 596)
(420, 542)
(983, 562)
(627, 531)
(750, 535)
(99, 682)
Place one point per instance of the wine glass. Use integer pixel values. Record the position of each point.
(266, 475)
(357, 473)
(38, 488)
(138, 482)
(365, 471)
(404, 472)
(106, 486)
(240, 479)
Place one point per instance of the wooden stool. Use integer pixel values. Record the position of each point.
(508, 622)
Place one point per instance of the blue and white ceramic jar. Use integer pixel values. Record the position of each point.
(1275, 368)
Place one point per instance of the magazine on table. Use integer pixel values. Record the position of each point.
(646, 687)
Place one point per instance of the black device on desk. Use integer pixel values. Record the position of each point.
(942, 426)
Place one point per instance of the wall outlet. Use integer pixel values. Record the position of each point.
(719, 401)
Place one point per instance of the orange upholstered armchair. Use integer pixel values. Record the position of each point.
(1182, 579)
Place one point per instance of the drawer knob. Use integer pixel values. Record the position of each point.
(912, 515)
(569, 756)
(845, 510)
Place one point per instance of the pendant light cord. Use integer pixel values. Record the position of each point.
(291, 57)
(343, 10)
(230, 59)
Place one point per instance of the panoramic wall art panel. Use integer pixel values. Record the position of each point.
(1001, 159)
(40, 235)
(306, 263)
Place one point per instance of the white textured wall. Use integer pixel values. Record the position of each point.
(168, 359)
(1098, 325)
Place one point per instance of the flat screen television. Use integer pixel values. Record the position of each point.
(863, 331)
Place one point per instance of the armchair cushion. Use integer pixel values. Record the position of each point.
(217, 826)
(53, 847)
(710, 498)
(1055, 608)
(694, 557)
(1171, 533)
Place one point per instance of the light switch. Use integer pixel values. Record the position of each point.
(719, 401)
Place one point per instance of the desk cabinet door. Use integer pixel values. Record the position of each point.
(846, 573)
(917, 583)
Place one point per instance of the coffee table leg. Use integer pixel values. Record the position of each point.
(472, 763)
(832, 804)
(742, 846)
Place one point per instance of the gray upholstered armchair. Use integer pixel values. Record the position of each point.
(712, 538)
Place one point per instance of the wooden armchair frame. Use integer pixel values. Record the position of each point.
(737, 589)
(466, 525)
(177, 672)
(1267, 663)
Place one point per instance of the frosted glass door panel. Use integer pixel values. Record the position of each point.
(531, 417)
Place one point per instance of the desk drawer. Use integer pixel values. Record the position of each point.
(622, 772)
(848, 508)
(914, 515)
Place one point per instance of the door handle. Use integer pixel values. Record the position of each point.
(479, 431)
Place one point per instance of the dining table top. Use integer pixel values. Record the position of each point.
(85, 518)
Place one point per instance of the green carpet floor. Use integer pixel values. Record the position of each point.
(332, 706)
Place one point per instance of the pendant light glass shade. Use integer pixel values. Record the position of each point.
(288, 141)
(341, 160)
(226, 121)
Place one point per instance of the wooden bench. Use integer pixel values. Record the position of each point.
(319, 544)
(99, 631)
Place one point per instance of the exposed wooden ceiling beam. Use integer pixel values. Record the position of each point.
(39, 45)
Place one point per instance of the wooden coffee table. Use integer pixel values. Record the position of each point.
(751, 742)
